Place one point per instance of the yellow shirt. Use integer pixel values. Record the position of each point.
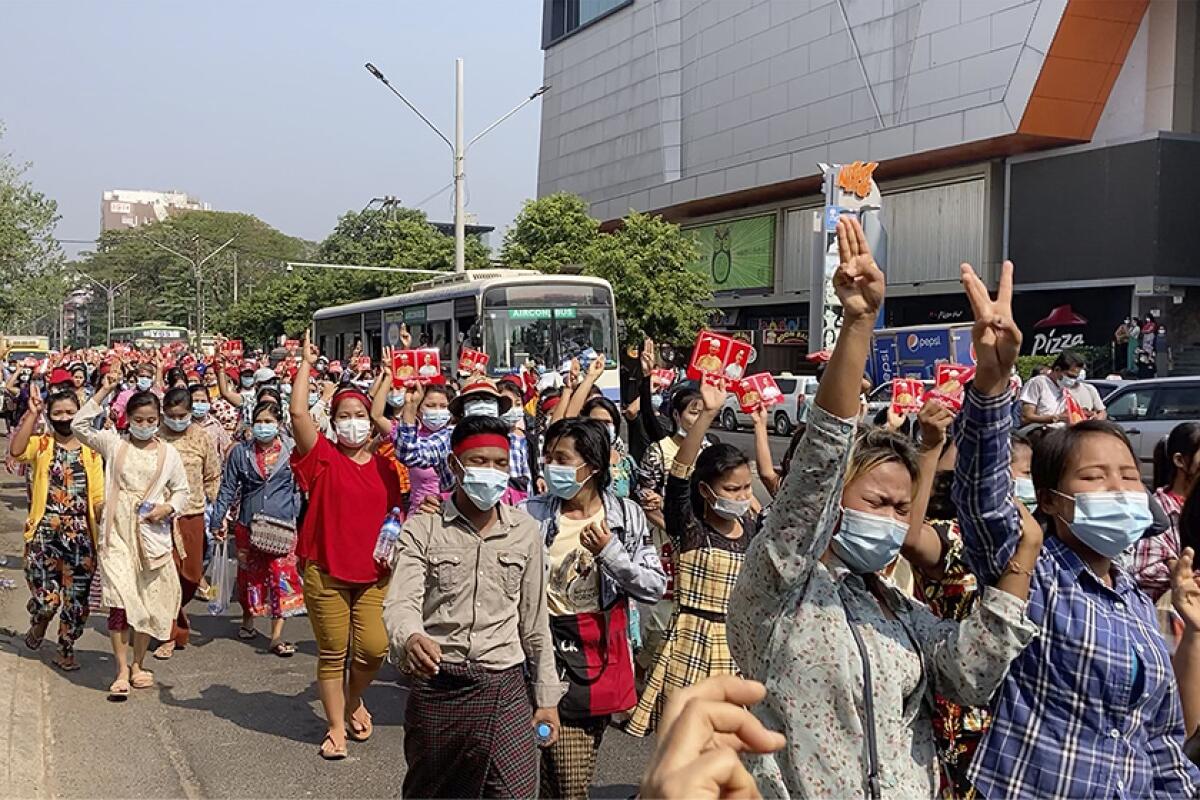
(40, 453)
(574, 583)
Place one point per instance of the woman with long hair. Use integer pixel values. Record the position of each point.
(1176, 469)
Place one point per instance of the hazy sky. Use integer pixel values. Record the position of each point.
(265, 107)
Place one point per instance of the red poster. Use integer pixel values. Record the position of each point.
(362, 363)
(292, 345)
(718, 356)
(429, 364)
(906, 395)
(232, 349)
(404, 368)
(1075, 412)
(950, 384)
(661, 379)
(471, 361)
(757, 391)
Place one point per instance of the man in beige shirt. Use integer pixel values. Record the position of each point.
(466, 607)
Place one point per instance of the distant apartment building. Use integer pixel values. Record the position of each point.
(132, 208)
(1059, 133)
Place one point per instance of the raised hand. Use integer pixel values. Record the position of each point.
(714, 395)
(859, 282)
(405, 336)
(995, 334)
(1185, 592)
(309, 350)
(596, 368)
(935, 420)
(647, 359)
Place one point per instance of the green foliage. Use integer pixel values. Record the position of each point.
(645, 261)
(1027, 364)
(396, 238)
(31, 261)
(549, 232)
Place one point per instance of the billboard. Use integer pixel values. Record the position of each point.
(736, 254)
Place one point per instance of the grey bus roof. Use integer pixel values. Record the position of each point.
(452, 286)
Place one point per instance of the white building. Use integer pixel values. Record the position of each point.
(130, 208)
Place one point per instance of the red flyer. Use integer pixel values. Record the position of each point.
(362, 363)
(906, 395)
(1075, 412)
(950, 383)
(661, 379)
(472, 361)
(718, 356)
(231, 349)
(292, 345)
(757, 391)
(404, 367)
(429, 364)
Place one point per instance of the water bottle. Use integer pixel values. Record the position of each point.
(389, 532)
(145, 508)
(541, 733)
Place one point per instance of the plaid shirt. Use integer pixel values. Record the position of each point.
(1152, 556)
(1090, 708)
(432, 450)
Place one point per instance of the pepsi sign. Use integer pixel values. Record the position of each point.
(927, 346)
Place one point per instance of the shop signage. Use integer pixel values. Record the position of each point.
(736, 254)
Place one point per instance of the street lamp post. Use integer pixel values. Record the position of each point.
(111, 291)
(457, 148)
(196, 265)
(290, 265)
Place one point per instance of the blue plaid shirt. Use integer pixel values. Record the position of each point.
(432, 450)
(1090, 708)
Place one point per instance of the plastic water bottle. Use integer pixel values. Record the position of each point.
(389, 532)
(541, 733)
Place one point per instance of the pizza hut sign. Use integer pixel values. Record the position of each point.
(1053, 333)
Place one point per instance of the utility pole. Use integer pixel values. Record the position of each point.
(110, 290)
(458, 148)
(196, 263)
(235, 278)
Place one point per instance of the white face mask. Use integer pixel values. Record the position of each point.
(481, 408)
(352, 432)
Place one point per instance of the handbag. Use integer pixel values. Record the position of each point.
(275, 537)
(591, 651)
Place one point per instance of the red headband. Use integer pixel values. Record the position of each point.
(481, 440)
(347, 394)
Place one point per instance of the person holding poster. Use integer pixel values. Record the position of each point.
(1048, 399)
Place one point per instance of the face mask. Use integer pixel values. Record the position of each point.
(656, 401)
(727, 508)
(266, 431)
(484, 486)
(313, 398)
(396, 399)
(435, 418)
(512, 416)
(200, 410)
(143, 384)
(286, 390)
(247, 381)
(560, 481)
(612, 433)
(61, 426)
(868, 542)
(353, 432)
(1108, 522)
(481, 408)
(177, 425)
(1023, 489)
(1067, 382)
(143, 433)
(362, 385)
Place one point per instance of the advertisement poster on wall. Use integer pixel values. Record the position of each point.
(736, 254)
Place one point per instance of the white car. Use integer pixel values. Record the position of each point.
(880, 398)
(785, 416)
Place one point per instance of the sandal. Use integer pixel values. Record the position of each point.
(65, 663)
(34, 640)
(282, 649)
(142, 680)
(118, 692)
(165, 651)
(246, 634)
(352, 724)
(333, 753)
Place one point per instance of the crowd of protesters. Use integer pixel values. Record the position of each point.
(932, 606)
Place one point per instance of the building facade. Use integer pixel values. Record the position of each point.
(121, 209)
(1059, 133)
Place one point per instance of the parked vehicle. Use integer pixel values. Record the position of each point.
(1149, 409)
(796, 389)
(1106, 386)
(881, 397)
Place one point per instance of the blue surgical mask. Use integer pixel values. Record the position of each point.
(144, 384)
(481, 408)
(1109, 522)
(143, 433)
(1067, 382)
(1023, 489)
(313, 398)
(435, 418)
(266, 431)
(200, 410)
(247, 381)
(396, 399)
(868, 542)
(561, 482)
(484, 486)
(177, 425)
(512, 416)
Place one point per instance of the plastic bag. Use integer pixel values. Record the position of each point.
(220, 577)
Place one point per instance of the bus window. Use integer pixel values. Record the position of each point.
(581, 328)
(510, 338)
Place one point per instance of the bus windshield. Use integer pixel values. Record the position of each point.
(545, 336)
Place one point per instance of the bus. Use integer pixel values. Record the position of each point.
(515, 316)
(148, 334)
(21, 347)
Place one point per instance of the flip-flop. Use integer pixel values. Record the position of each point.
(282, 649)
(143, 680)
(118, 692)
(334, 753)
(246, 634)
(72, 666)
(369, 728)
(165, 650)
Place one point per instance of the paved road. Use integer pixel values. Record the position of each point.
(226, 719)
(745, 440)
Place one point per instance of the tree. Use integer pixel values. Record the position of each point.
(31, 287)
(549, 232)
(392, 238)
(646, 261)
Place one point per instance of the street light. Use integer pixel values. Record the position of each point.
(196, 265)
(289, 265)
(457, 147)
(111, 290)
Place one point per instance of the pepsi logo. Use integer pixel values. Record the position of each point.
(912, 341)
(916, 342)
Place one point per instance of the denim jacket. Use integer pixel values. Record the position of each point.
(276, 496)
(629, 564)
